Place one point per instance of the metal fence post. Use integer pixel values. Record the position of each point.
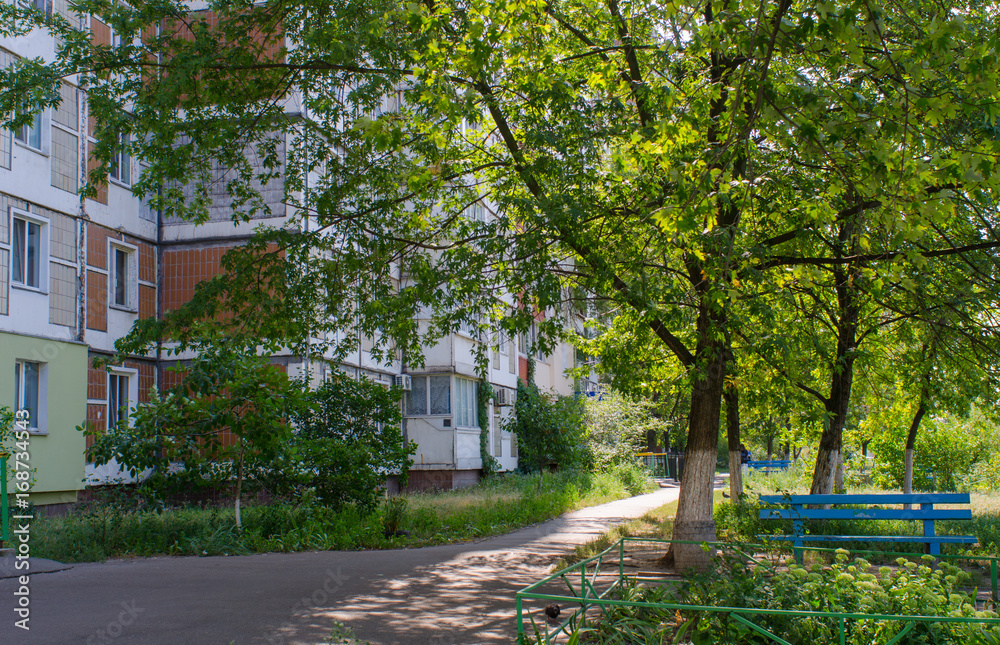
(520, 619)
(993, 578)
(621, 563)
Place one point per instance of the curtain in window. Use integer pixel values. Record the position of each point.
(26, 389)
(416, 398)
(465, 402)
(440, 394)
(19, 255)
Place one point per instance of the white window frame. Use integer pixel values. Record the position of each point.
(465, 396)
(132, 288)
(22, 139)
(39, 424)
(539, 355)
(70, 131)
(43, 250)
(427, 396)
(45, 6)
(133, 391)
(470, 328)
(476, 211)
(120, 171)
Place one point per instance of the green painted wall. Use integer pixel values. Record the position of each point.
(57, 457)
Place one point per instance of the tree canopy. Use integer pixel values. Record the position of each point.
(671, 159)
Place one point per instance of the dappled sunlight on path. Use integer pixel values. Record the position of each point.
(469, 598)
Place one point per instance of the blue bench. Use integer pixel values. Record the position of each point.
(767, 465)
(797, 512)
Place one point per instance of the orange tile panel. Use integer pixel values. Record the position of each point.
(97, 384)
(147, 301)
(97, 301)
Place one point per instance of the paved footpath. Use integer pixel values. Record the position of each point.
(457, 593)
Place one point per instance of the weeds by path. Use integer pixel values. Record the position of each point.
(497, 506)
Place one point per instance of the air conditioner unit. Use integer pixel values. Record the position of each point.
(404, 382)
(503, 396)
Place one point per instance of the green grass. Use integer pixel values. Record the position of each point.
(499, 505)
(657, 523)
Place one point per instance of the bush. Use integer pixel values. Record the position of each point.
(908, 588)
(617, 427)
(946, 450)
(633, 477)
(550, 431)
(347, 441)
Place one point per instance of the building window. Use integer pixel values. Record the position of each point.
(38, 5)
(465, 403)
(416, 398)
(121, 163)
(26, 269)
(534, 346)
(429, 395)
(476, 212)
(27, 382)
(121, 277)
(30, 134)
(123, 271)
(439, 388)
(119, 400)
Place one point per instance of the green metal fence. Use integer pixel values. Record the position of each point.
(592, 581)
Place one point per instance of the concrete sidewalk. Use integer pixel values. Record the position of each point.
(458, 593)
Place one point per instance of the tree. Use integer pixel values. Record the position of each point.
(660, 157)
(225, 421)
(347, 440)
(617, 427)
(943, 347)
(550, 431)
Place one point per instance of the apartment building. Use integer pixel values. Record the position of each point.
(76, 273)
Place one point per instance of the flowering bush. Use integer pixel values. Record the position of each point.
(847, 587)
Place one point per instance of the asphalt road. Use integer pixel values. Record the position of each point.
(459, 593)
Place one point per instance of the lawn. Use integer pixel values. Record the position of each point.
(113, 529)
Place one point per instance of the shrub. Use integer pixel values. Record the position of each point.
(909, 588)
(633, 477)
(946, 450)
(550, 430)
(228, 388)
(617, 427)
(347, 441)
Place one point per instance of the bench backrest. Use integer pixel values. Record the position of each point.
(875, 498)
(926, 511)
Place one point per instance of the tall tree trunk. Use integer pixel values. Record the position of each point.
(911, 444)
(694, 520)
(828, 457)
(830, 445)
(770, 446)
(732, 397)
(911, 436)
